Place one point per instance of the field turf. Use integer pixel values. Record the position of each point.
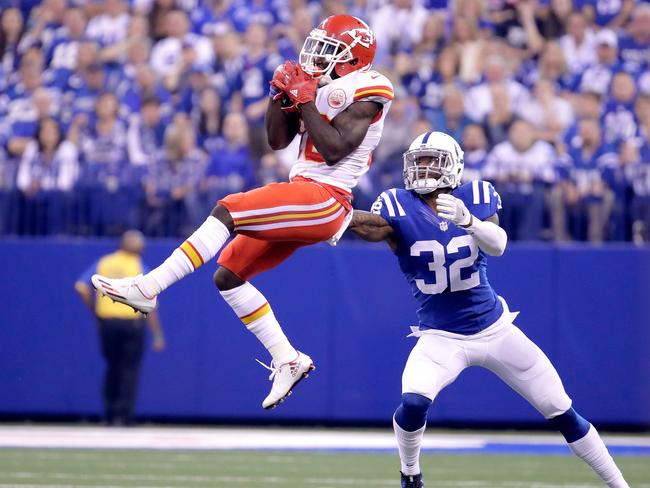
(55, 468)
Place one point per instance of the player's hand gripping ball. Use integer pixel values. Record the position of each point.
(451, 208)
(279, 84)
(301, 87)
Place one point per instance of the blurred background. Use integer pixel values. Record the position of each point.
(139, 114)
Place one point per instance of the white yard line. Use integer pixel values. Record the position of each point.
(210, 438)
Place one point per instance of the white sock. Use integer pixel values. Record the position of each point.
(199, 248)
(409, 444)
(593, 451)
(255, 312)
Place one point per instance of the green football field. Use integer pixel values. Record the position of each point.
(54, 468)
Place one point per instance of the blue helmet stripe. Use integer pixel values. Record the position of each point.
(426, 137)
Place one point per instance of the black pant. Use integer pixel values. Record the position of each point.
(122, 344)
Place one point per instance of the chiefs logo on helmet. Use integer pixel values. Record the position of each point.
(363, 37)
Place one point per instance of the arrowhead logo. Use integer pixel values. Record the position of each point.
(294, 92)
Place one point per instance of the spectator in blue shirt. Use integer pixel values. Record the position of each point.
(84, 86)
(173, 56)
(111, 25)
(451, 119)
(172, 204)
(25, 117)
(597, 78)
(619, 120)
(65, 46)
(582, 202)
(48, 171)
(551, 66)
(427, 84)
(107, 177)
(252, 84)
(228, 65)
(146, 133)
(475, 146)
(636, 158)
(140, 83)
(11, 30)
(231, 168)
(206, 118)
(522, 170)
(606, 13)
(634, 45)
(42, 25)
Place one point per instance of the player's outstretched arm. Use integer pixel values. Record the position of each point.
(281, 125)
(371, 227)
(336, 139)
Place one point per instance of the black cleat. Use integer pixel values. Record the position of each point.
(412, 480)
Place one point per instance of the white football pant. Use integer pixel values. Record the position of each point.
(439, 357)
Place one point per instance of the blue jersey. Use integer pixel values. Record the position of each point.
(442, 262)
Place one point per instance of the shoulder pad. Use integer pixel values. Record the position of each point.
(373, 86)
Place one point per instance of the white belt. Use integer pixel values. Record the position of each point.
(506, 318)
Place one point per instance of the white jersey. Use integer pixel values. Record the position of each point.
(331, 100)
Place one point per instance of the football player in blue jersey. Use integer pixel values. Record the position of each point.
(441, 232)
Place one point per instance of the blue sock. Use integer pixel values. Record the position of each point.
(571, 425)
(411, 415)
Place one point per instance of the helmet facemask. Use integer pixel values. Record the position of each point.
(427, 176)
(320, 54)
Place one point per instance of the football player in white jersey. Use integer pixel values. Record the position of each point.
(441, 232)
(337, 104)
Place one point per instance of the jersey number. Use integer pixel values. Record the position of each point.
(437, 266)
(310, 153)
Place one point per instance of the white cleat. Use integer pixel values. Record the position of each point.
(126, 291)
(285, 377)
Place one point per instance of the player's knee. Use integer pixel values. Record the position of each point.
(571, 425)
(222, 214)
(224, 279)
(411, 415)
(415, 402)
(554, 403)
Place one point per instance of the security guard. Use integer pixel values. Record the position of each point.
(121, 330)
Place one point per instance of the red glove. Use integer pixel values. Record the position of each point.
(301, 87)
(281, 77)
(279, 83)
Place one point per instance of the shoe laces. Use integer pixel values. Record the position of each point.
(271, 367)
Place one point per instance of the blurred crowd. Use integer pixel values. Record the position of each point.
(123, 114)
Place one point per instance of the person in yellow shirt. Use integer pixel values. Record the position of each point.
(121, 330)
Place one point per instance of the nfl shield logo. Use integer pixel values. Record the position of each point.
(444, 225)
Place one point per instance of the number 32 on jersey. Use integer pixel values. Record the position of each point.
(447, 276)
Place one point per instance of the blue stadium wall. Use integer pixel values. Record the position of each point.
(350, 308)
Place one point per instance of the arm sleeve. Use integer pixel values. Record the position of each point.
(491, 238)
(384, 207)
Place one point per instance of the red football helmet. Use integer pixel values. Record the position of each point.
(341, 43)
